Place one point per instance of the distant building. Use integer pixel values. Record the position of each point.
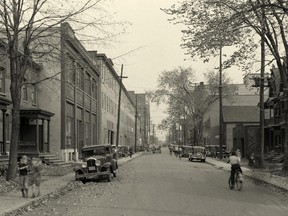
(246, 96)
(110, 86)
(143, 111)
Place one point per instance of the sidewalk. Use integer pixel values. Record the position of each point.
(267, 177)
(13, 201)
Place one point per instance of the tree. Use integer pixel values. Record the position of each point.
(184, 97)
(23, 26)
(243, 22)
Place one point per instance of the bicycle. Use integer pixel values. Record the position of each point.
(238, 181)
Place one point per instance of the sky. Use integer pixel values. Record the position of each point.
(156, 47)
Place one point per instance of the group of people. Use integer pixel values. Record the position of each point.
(30, 175)
(177, 151)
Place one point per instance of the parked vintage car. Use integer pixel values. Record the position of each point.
(156, 149)
(98, 163)
(186, 150)
(197, 153)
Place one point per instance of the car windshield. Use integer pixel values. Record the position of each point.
(195, 150)
(185, 149)
(92, 152)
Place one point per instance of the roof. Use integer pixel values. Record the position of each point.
(35, 113)
(239, 114)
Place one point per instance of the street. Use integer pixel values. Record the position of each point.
(163, 185)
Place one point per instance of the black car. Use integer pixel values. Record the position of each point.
(98, 163)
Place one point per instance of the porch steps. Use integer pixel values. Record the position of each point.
(53, 160)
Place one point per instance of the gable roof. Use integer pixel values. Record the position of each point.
(233, 114)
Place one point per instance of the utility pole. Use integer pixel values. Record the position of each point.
(220, 106)
(153, 131)
(119, 106)
(262, 78)
(136, 117)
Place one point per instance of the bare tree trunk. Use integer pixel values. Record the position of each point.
(15, 90)
(13, 157)
(200, 134)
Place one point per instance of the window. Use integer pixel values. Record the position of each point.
(69, 125)
(2, 79)
(34, 94)
(69, 128)
(87, 84)
(70, 70)
(87, 128)
(79, 75)
(94, 128)
(25, 91)
(94, 89)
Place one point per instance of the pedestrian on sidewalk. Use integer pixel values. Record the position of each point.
(180, 152)
(130, 151)
(24, 166)
(35, 177)
(238, 154)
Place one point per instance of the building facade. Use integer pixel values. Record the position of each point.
(34, 132)
(245, 96)
(72, 94)
(143, 113)
(110, 88)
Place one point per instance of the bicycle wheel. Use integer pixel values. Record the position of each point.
(238, 181)
(231, 186)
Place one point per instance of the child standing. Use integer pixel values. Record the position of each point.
(23, 175)
(35, 177)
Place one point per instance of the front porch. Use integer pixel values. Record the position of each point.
(34, 134)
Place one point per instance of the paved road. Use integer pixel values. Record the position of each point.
(161, 185)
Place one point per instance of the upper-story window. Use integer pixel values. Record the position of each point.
(94, 89)
(2, 79)
(25, 90)
(70, 70)
(276, 110)
(87, 83)
(79, 75)
(34, 95)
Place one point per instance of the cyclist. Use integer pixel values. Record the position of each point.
(235, 165)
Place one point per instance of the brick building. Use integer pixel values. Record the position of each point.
(110, 85)
(72, 94)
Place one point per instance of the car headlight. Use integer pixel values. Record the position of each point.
(84, 165)
(98, 162)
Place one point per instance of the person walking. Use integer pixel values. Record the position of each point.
(180, 152)
(35, 177)
(23, 175)
(238, 154)
(130, 151)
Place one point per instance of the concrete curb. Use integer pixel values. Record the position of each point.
(267, 178)
(28, 205)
